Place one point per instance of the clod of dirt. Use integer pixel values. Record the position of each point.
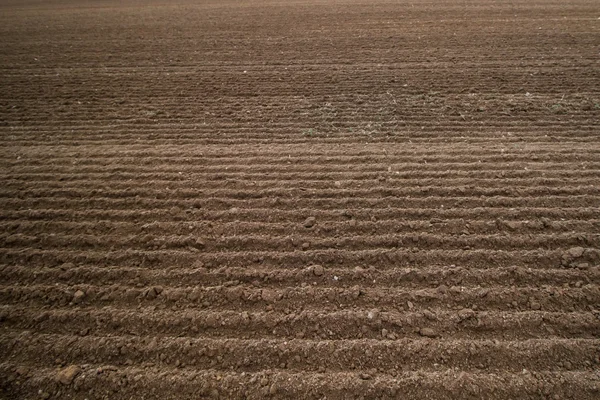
(428, 332)
(575, 252)
(318, 270)
(152, 292)
(429, 315)
(269, 295)
(66, 375)
(466, 313)
(534, 304)
(310, 222)
(78, 296)
(355, 292)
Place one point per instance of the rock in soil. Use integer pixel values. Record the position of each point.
(66, 375)
(428, 332)
(78, 296)
(310, 222)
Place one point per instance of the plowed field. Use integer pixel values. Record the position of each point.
(299, 199)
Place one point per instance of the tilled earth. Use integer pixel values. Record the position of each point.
(299, 200)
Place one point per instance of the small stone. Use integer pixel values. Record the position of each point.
(310, 222)
(429, 315)
(67, 266)
(44, 395)
(273, 389)
(150, 293)
(318, 270)
(428, 332)
(305, 246)
(512, 225)
(365, 376)
(373, 314)
(78, 296)
(66, 375)
(384, 333)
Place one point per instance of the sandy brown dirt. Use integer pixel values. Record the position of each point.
(299, 200)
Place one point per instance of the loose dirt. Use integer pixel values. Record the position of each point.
(299, 200)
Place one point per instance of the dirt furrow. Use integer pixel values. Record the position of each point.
(353, 224)
(105, 380)
(301, 354)
(443, 276)
(325, 297)
(210, 246)
(381, 258)
(329, 324)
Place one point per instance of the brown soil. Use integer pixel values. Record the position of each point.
(299, 200)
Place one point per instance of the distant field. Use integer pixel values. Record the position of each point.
(299, 200)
